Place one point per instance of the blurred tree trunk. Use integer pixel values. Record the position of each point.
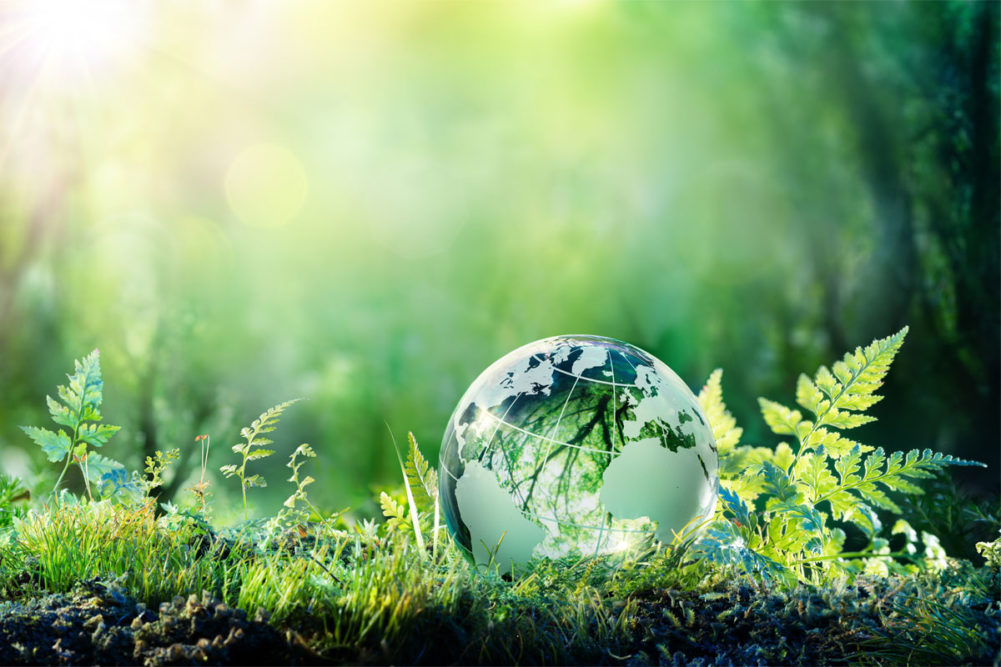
(891, 275)
(931, 169)
(965, 216)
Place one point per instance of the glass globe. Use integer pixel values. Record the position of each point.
(575, 445)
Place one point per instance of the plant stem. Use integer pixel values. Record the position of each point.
(69, 457)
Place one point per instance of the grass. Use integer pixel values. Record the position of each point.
(369, 594)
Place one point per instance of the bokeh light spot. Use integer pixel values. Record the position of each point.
(266, 186)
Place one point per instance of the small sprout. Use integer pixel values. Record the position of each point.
(253, 449)
(200, 490)
(295, 463)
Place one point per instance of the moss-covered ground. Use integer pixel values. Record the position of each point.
(371, 599)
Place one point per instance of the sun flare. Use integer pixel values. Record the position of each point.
(66, 39)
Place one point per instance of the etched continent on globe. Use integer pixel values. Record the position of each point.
(575, 445)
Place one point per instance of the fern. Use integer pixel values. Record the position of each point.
(773, 520)
(295, 463)
(420, 483)
(156, 465)
(395, 513)
(837, 398)
(422, 479)
(254, 449)
(79, 410)
(724, 426)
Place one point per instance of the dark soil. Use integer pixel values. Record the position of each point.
(875, 620)
(98, 624)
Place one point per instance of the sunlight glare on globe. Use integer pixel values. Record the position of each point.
(575, 446)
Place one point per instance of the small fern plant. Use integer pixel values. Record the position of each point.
(78, 410)
(414, 514)
(253, 449)
(296, 460)
(774, 519)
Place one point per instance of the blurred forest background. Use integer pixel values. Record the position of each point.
(365, 204)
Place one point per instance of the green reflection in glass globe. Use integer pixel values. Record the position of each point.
(575, 445)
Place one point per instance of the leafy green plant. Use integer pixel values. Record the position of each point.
(777, 504)
(11, 493)
(78, 410)
(253, 449)
(156, 465)
(295, 462)
(420, 483)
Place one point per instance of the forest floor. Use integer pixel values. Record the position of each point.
(879, 620)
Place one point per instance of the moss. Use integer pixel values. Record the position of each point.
(949, 617)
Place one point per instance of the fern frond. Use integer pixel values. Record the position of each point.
(722, 544)
(837, 398)
(96, 434)
(783, 420)
(726, 433)
(737, 469)
(266, 423)
(395, 513)
(850, 386)
(55, 444)
(879, 472)
(98, 466)
(79, 404)
(83, 395)
(422, 478)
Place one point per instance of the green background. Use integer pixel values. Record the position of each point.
(365, 204)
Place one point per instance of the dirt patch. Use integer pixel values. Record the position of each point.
(99, 624)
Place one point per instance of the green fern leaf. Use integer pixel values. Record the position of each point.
(722, 544)
(813, 477)
(305, 450)
(810, 518)
(395, 513)
(268, 420)
(842, 503)
(97, 435)
(56, 445)
(737, 468)
(255, 480)
(894, 473)
(82, 396)
(60, 413)
(783, 420)
(851, 384)
(835, 444)
(848, 465)
(810, 396)
(776, 482)
(259, 454)
(737, 507)
(846, 420)
(422, 478)
(726, 433)
(97, 466)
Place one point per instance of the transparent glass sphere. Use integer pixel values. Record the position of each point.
(575, 445)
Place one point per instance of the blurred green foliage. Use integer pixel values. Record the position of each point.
(367, 203)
